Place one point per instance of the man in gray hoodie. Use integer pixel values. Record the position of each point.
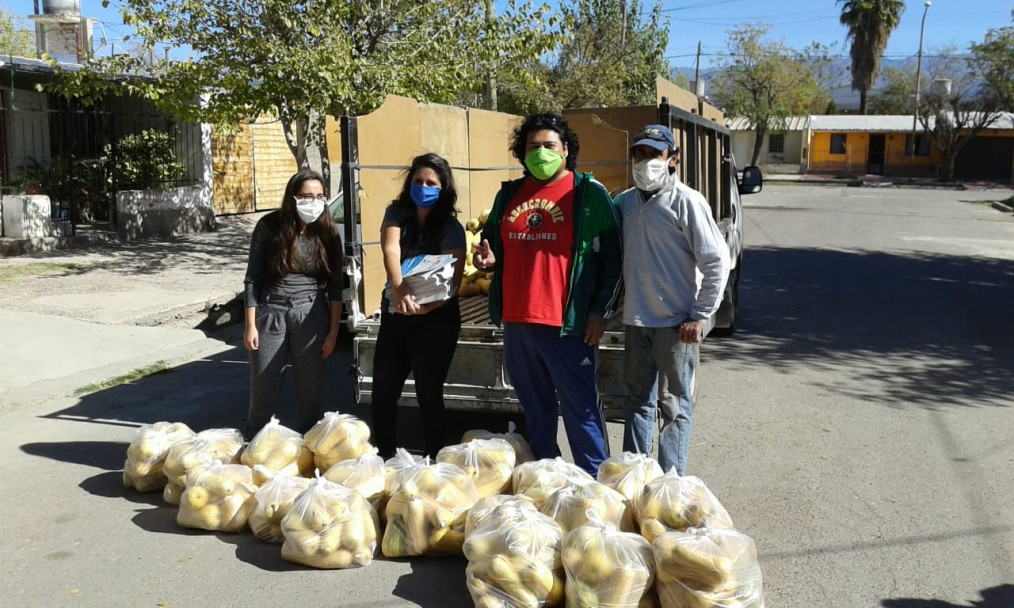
(675, 266)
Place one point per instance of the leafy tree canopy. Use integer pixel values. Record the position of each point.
(993, 62)
(765, 81)
(304, 59)
(17, 35)
(610, 56)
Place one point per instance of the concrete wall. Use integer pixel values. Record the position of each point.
(26, 216)
(163, 213)
(742, 147)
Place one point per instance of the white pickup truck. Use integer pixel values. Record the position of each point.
(478, 380)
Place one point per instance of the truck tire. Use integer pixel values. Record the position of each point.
(728, 311)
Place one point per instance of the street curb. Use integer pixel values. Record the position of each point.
(857, 183)
(1002, 207)
(42, 392)
(208, 315)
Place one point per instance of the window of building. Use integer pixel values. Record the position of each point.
(776, 143)
(838, 143)
(922, 147)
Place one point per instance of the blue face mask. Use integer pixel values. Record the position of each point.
(424, 196)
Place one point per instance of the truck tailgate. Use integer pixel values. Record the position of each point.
(477, 380)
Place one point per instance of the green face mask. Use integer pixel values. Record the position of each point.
(543, 163)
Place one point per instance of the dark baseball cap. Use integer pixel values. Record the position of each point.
(655, 136)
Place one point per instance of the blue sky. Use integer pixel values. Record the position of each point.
(796, 22)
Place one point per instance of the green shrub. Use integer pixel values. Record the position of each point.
(144, 161)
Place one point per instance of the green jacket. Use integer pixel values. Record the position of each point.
(597, 268)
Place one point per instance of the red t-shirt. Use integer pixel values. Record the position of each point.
(537, 231)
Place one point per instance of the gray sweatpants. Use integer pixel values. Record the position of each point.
(291, 330)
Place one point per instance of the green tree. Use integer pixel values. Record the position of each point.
(764, 82)
(896, 95)
(303, 60)
(870, 23)
(993, 62)
(17, 36)
(611, 53)
(955, 107)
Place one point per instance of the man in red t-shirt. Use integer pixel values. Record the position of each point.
(555, 244)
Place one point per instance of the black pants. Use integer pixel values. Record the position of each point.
(423, 345)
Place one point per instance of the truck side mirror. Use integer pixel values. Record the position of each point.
(752, 181)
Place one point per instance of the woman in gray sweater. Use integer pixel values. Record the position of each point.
(293, 302)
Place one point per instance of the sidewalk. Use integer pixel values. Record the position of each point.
(881, 181)
(73, 317)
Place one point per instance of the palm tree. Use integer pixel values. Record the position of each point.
(870, 24)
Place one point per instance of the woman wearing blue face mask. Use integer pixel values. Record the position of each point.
(292, 291)
(417, 338)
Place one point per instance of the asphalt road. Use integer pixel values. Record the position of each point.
(859, 427)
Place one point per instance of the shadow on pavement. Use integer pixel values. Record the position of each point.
(435, 582)
(162, 520)
(994, 597)
(106, 455)
(929, 331)
(201, 253)
(258, 553)
(214, 393)
(110, 485)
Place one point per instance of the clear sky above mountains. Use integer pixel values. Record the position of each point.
(797, 22)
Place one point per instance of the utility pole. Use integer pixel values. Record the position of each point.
(918, 75)
(697, 71)
(490, 76)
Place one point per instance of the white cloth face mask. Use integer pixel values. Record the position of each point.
(309, 209)
(650, 175)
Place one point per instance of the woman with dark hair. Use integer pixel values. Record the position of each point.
(555, 243)
(292, 292)
(413, 337)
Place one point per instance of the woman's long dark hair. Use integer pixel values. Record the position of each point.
(324, 241)
(542, 122)
(444, 208)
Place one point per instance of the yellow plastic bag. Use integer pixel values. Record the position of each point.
(337, 437)
(540, 478)
(426, 513)
(708, 568)
(203, 449)
(522, 449)
(628, 473)
(490, 462)
(278, 449)
(330, 526)
(219, 497)
(513, 557)
(274, 500)
(671, 502)
(147, 452)
(606, 566)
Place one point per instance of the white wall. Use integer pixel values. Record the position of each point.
(163, 213)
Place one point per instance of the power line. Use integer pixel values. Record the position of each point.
(698, 5)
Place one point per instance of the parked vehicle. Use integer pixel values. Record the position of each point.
(477, 380)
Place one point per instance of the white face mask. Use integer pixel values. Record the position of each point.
(650, 175)
(309, 209)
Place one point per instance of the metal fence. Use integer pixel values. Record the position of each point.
(46, 132)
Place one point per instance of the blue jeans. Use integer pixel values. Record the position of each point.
(658, 367)
(554, 376)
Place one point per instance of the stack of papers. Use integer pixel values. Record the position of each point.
(429, 277)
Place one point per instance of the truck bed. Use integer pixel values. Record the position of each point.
(477, 380)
